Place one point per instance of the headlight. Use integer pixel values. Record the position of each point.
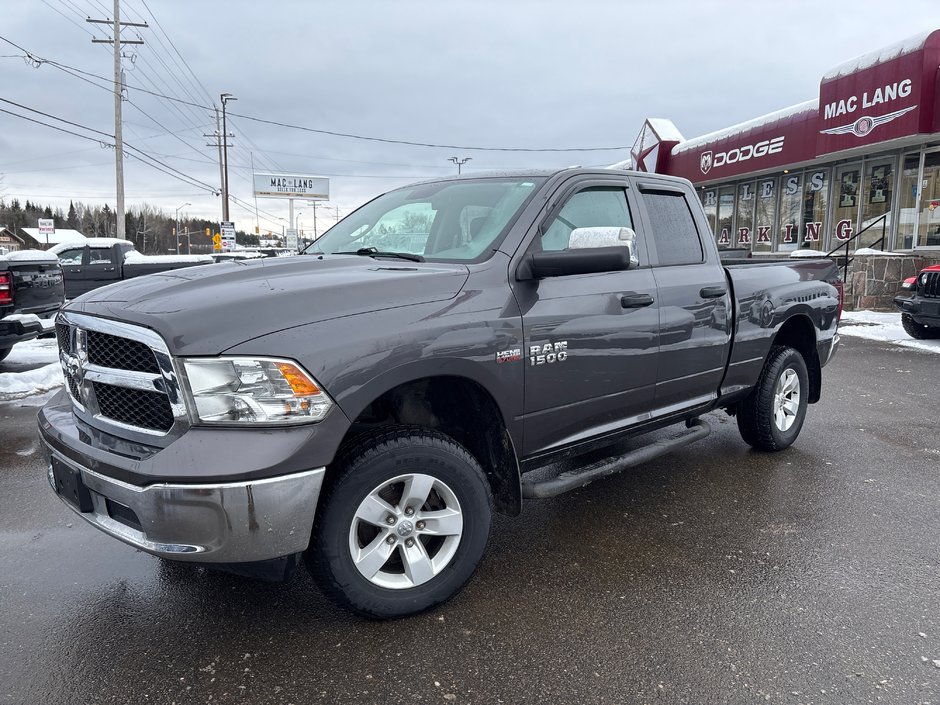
(249, 391)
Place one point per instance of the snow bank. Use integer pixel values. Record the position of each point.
(883, 327)
(808, 254)
(16, 385)
(29, 256)
(873, 251)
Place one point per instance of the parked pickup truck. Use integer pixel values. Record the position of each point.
(98, 261)
(367, 408)
(920, 312)
(31, 292)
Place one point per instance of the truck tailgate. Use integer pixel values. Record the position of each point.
(38, 287)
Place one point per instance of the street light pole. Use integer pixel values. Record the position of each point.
(459, 162)
(177, 236)
(226, 97)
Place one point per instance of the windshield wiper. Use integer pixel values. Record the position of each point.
(375, 252)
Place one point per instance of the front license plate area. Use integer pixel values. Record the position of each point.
(69, 485)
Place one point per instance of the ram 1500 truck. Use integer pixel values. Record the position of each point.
(100, 261)
(368, 404)
(31, 291)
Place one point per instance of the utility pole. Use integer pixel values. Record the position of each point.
(217, 138)
(226, 97)
(459, 162)
(118, 98)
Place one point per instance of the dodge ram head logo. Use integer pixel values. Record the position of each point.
(706, 162)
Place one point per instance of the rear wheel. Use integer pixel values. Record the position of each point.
(403, 524)
(771, 417)
(918, 330)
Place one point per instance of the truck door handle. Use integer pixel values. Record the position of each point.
(109, 269)
(635, 300)
(712, 292)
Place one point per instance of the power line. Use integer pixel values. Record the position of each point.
(387, 140)
(140, 156)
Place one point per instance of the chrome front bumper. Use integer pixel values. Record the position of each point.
(236, 522)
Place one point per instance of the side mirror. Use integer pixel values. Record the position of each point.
(540, 265)
(592, 238)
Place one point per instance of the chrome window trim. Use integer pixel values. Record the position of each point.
(166, 382)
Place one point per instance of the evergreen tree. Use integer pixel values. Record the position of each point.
(72, 220)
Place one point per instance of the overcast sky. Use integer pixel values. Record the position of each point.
(542, 74)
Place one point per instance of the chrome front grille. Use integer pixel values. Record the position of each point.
(120, 376)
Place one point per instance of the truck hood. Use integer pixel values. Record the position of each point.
(205, 310)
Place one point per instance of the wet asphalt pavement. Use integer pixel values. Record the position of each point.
(715, 575)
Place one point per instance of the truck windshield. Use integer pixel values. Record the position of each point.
(447, 220)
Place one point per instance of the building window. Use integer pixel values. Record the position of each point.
(847, 188)
(765, 209)
(744, 216)
(815, 205)
(725, 224)
(876, 202)
(791, 198)
(710, 204)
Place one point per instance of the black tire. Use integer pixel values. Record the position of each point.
(915, 329)
(4, 352)
(367, 464)
(755, 414)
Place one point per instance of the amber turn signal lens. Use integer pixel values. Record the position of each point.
(298, 381)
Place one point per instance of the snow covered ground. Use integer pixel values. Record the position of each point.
(31, 368)
(884, 327)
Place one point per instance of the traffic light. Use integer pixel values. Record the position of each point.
(208, 232)
(257, 230)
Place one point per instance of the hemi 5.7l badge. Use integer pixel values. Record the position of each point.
(511, 355)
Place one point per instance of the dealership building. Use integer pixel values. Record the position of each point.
(857, 167)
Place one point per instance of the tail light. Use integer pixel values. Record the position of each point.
(909, 284)
(840, 287)
(6, 288)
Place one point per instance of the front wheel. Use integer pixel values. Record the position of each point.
(403, 523)
(771, 417)
(918, 330)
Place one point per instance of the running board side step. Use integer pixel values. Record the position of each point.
(572, 480)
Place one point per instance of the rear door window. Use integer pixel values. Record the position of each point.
(674, 232)
(100, 255)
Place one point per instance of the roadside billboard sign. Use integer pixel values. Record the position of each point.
(291, 240)
(310, 188)
(46, 226)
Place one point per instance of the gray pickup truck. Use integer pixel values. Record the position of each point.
(368, 404)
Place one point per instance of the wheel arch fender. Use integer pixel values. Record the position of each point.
(458, 398)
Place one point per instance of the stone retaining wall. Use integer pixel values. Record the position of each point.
(874, 280)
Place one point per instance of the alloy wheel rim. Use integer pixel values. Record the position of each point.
(786, 399)
(405, 531)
